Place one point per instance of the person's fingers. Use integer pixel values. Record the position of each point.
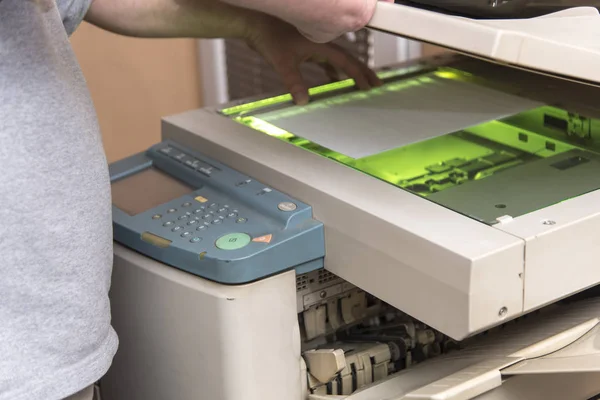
(371, 76)
(352, 67)
(292, 79)
(329, 70)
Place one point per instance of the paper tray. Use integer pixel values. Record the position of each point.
(565, 43)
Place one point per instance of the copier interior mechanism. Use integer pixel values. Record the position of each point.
(502, 155)
(355, 345)
(351, 339)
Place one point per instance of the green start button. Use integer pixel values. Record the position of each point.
(233, 241)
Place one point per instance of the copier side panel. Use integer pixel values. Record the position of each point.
(184, 337)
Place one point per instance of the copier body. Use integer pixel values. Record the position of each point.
(460, 257)
(443, 270)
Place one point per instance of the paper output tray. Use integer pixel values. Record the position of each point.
(564, 43)
(566, 341)
(572, 351)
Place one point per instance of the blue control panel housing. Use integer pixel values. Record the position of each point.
(231, 229)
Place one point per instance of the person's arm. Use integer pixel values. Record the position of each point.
(173, 18)
(278, 42)
(319, 20)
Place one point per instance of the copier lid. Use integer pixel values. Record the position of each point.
(564, 43)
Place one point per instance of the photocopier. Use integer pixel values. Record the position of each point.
(434, 238)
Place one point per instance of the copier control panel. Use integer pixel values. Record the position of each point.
(193, 213)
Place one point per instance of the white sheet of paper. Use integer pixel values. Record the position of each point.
(359, 125)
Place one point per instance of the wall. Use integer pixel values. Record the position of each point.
(134, 82)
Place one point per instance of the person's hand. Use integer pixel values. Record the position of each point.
(329, 27)
(285, 49)
(320, 21)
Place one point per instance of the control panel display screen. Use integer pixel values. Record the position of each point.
(145, 190)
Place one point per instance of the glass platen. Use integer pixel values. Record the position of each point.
(507, 166)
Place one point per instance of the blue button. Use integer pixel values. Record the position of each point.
(195, 240)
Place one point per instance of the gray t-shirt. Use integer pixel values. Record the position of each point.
(55, 210)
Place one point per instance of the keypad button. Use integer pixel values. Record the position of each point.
(168, 223)
(186, 204)
(187, 160)
(179, 156)
(233, 241)
(222, 210)
(235, 210)
(242, 183)
(171, 210)
(192, 163)
(186, 234)
(196, 240)
(201, 228)
(199, 210)
(231, 215)
(192, 222)
(183, 217)
(217, 221)
(206, 216)
(221, 217)
(205, 171)
(177, 228)
(225, 206)
(206, 223)
(214, 205)
(156, 216)
(241, 220)
(287, 206)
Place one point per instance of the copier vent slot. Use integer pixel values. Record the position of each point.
(303, 281)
